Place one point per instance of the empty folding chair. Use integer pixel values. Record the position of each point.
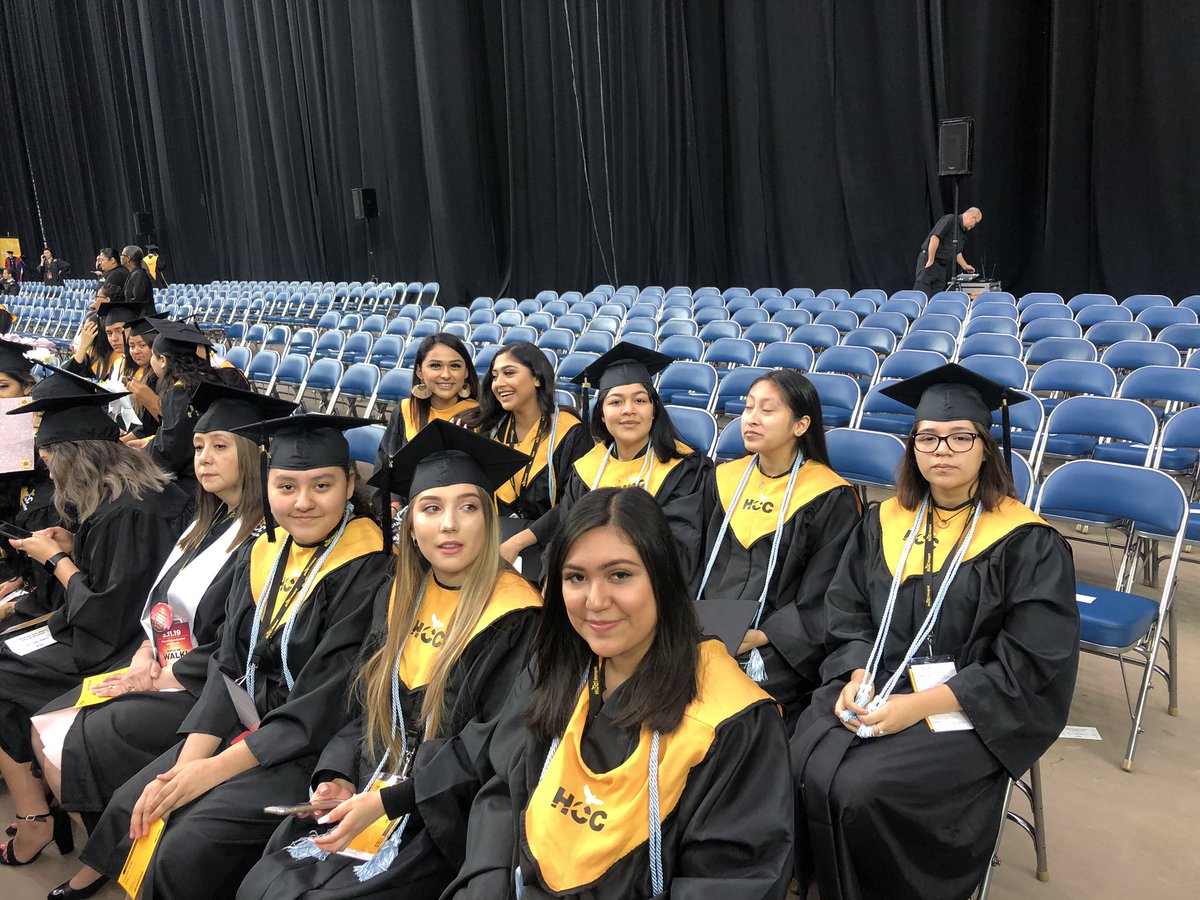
(762, 334)
(1104, 334)
(1004, 369)
(570, 366)
(696, 427)
(573, 322)
(374, 325)
(595, 342)
(673, 327)
(907, 363)
(730, 292)
(539, 321)
(239, 357)
(1165, 389)
(799, 293)
(879, 412)
(785, 356)
(991, 325)
(860, 306)
(843, 320)
(394, 385)
(865, 458)
(881, 340)
(1184, 338)
(682, 346)
(1125, 356)
(910, 309)
(728, 352)
(639, 324)
(1060, 348)
(510, 318)
(1062, 378)
(932, 341)
(748, 315)
(323, 378)
(1077, 427)
(643, 310)
(816, 305)
(840, 398)
(764, 293)
(1039, 329)
(1191, 302)
(519, 334)
(1090, 315)
(895, 322)
(729, 443)
(350, 322)
(936, 322)
(1039, 297)
(609, 324)
(944, 307)
(386, 352)
(558, 339)
(529, 306)
(994, 307)
(357, 383)
(815, 336)
(691, 384)
(860, 363)
(715, 331)
(641, 339)
(710, 314)
(834, 294)
(875, 295)
(1139, 303)
(1044, 311)
(734, 386)
(292, 371)
(358, 348)
(991, 344)
(1157, 318)
(1083, 301)
(261, 370)
(775, 305)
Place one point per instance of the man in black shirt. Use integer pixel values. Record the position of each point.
(944, 243)
(53, 270)
(9, 286)
(138, 288)
(108, 270)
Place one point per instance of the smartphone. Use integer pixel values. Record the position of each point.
(302, 808)
(8, 530)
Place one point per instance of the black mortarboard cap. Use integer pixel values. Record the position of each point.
(952, 392)
(624, 364)
(73, 417)
(224, 408)
(178, 337)
(61, 383)
(143, 326)
(13, 359)
(119, 313)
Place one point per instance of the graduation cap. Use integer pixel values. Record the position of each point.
(624, 364)
(72, 417)
(143, 326)
(225, 408)
(952, 392)
(178, 337)
(13, 359)
(61, 383)
(299, 443)
(441, 454)
(118, 312)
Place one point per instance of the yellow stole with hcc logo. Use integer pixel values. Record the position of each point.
(757, 511)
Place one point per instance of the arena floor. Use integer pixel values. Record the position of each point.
(1112, 834)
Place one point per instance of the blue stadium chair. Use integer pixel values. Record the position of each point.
(1104, 334)
(1156, 318)
(834, 294)
(1090, 315)
(1076, 427)
(728, 352)
(865, 458)
(642, 310)
(1041, 329)
(234, 333)
(1125, 356)
(1117, 621)
(763, 293)
(1184, 338)
(292, 371)
(1060, 348)
(1171, 386)
(748, 316)
(278, 338)
(261, 370)
(554, 308)
(641, 339)
(570, 366)
(1005, 308)
(1039, 297)
(991, 325)
(1062, 378)
(576, 323)
(428, 327)
(1083, 301)
(680, 298)
(1139, 303)
(843, 320)
(815, 336)
(350, 322)
(731, 394)
(460, 330)
(584, 308)
(944, 307)
(1044, 311)
(682, 346)
(510, 318)
(559, 340)
(394, 385)
(386, 352)
(1022, 477)
(718, 330)
(710, 314)
(880, 412)
(595, 342)
(674, 327)
(1179, 453)
(799, 293)
(1003, 369)
(374, 325)
(681, 310)
(860, 306)
(1026, 423)
(919, 297)
(357, 348)
(691, 384)
(484, 357)
(931, 341)
(239, 357)
(896, 323)
(910, 309)
(457, 314)
(881, 340)
(814, 306)
(1191, 302)
(860, 363)
(730, 292)
(707, 301)
(477, 317)
(539, 321)
(519, 334)
(255, 335)
(786, 356)
(529, 306)
(934, 322)
(410, 311)
(303, 341)
(399, 327)
(364, 443)
(990, 344)
(875, 295)
(489, 333)
(606, 289)
(729, 443)
(736, 305)
(636, 324)
(696, 427)
(774, 305)
(358, 382)
(609, 324)
(907, 363)
(763, 334)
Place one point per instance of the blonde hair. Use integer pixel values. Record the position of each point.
(412, 576)
(89, 473)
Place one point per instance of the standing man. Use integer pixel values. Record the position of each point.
(138, 289)
(53, 270)
(944, 243)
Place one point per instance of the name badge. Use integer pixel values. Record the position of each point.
(932, 671)
(368, 841)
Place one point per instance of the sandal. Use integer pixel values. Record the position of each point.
(62, 838)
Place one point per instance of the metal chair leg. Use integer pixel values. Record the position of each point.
(986, 884)
(1039, 822)
(1143, 692)
(1173, 680)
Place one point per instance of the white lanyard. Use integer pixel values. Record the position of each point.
(643, 475)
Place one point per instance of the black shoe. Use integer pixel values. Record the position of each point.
(65, 892)
(63, 839)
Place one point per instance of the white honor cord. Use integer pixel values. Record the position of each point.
(550, 455)
(927, 626)
(643, 475)
(251, 668)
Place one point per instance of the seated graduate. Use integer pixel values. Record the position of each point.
(637, 446)
(108, 744)
(645, 763)
(517, 408)
(140, 380)
(276, 688)
(781, 518)
(452, 634)
(444, 387)
(99, 349)
(128, 517)
(957, 588)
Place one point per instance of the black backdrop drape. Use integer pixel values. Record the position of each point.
(526, 144)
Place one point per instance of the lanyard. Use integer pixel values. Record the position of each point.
(519, 490)
(643, 475)
(923, 633)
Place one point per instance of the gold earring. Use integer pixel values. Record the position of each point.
(465, 392)
(421, 391)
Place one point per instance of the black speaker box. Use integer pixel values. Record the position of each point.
(955, 146)
(365, 204)
(143, 223)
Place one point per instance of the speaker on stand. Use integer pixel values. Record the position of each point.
(956, 147)
(143, 227)
(366, 208)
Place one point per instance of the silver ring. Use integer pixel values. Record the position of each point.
(846, 715)
(877, 731)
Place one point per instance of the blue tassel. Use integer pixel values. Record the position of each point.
(384, 856)
(304, 848)
(755, 667)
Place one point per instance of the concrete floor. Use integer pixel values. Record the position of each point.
(1112, 834)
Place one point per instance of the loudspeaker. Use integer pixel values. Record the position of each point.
(955, 146)
(365, 204)
(143, 223)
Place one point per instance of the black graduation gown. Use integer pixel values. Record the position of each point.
(823, 512)
(110, 743)
(118, 549)
(402, 426)
(915, 814)
(209, 845)
(29, 504)
(434, 841)
(678, 486)
(138, 289)
(172, 447)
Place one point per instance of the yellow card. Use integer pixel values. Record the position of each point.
(133, 873)
(368, 841)
(88, 696)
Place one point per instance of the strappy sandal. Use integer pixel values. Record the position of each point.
(62, 838)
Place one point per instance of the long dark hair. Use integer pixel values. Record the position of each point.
(423, 405)
(665, 682)
(489, 412)
(995, 482)
(802, 399)
(186, 367)
(663, 436)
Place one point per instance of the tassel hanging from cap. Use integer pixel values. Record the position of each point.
(385, 504)
(756, 669)
(264, 464)
(305, 848)
(584, 413)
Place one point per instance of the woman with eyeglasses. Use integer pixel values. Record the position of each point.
(953, 640)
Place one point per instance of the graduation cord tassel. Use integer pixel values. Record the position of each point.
(264, 463)
(304, 848)
(550, 457)
(926, 629)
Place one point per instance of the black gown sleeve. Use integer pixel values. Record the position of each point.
(546, 527)
(213, 713)
(850, 627)
(172, 448)
(687, 506)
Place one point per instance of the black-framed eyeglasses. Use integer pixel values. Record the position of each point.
(959, 442)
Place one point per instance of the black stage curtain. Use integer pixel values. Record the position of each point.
(525, 144)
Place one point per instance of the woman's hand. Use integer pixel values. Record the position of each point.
(143, 669)
(60, 536)
(339, 789)
(352, 816)
(178, 786)
(900, 712)
(87, 336)
(752, 641)
(37, 547)
(846, 700)
(139, 389)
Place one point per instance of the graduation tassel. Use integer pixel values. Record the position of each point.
(384, 856)
(756, 669)
(264, 463)
(583, 401)
(305, 848)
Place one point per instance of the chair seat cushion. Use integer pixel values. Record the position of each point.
(692, 399)
(1181, 460)
(734, 406)
(1114, 618)
(890, 423)
(1121, 452)
(1071, 445)
(835, 416)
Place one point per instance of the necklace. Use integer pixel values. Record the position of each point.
(953, 513)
